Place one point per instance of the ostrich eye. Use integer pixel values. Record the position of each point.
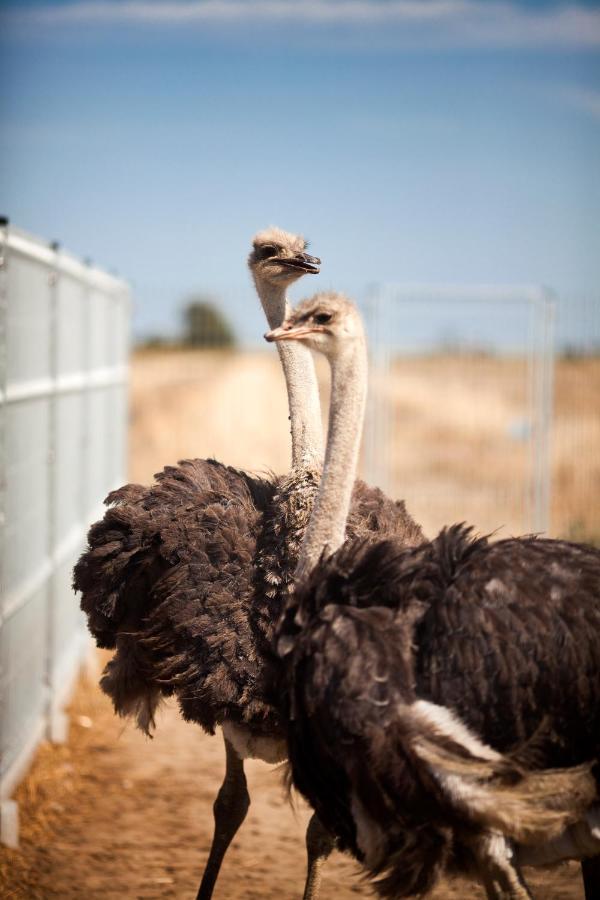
(267, 251)
(322, 318)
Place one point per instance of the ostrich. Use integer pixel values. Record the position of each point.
(186, 578)
(400, 663)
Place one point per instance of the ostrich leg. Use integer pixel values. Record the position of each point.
(230, 810)
(505, 883)
(497, 869)
(590, 870)
(319, 844)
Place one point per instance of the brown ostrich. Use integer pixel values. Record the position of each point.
(443, 700)
(186, 578)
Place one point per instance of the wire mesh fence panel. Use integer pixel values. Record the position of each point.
(460, 408)
(64, 339)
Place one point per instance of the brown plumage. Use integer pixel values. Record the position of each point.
(208, 633)
(398, 664)
(198, 517)
(187, 577)
(504, 635)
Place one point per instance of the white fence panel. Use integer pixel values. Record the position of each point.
(461, 403)
(64, 335)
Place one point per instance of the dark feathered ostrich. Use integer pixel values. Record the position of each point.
(400, 663)
(186, 578)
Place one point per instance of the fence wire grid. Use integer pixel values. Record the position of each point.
(64, 348)
(478, 413)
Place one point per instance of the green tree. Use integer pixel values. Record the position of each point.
(205, 325)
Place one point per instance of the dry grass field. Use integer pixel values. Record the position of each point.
(453, 437)
(458, 447)
(112, 815)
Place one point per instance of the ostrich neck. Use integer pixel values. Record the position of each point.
(327, 527)
(301, 381)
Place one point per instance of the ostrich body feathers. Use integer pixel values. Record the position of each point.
(187, 578)
(390, 654)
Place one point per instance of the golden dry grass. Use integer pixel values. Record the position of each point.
(451, 431)
(456, 450)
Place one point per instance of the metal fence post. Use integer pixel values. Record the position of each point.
(545, 307)
(9, 810)
(57, 719)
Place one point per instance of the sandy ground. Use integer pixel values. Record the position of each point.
(114, 815)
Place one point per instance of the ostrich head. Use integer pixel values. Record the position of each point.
(280, 258)
(326, 323)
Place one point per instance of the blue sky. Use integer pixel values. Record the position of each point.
(441, 140)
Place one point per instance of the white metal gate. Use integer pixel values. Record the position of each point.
(461, 403)
(64, 333)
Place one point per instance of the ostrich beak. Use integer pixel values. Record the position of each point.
(303, 261)
(289, 333)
